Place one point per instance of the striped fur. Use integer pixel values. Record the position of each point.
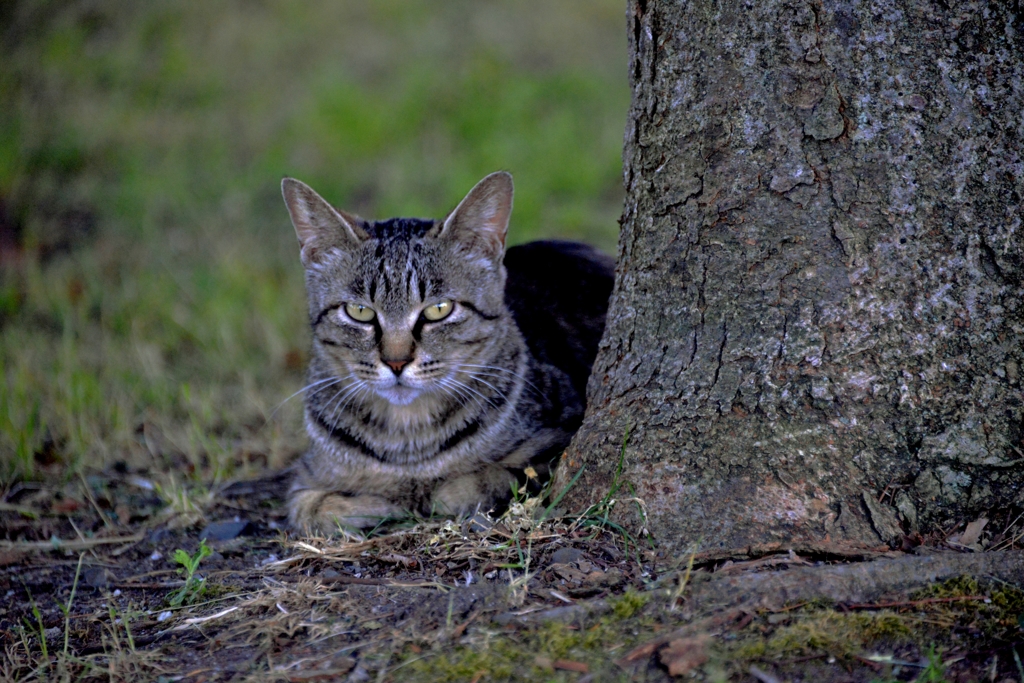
(472, 401)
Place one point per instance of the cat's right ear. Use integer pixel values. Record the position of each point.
(318, 225)
(480, 222)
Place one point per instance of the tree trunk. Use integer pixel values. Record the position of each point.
(817, 328)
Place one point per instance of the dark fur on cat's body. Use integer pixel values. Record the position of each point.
(471, 399)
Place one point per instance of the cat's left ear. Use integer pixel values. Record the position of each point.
(480, 221)
(318, 225)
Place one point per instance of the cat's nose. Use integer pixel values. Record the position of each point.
(397, 365)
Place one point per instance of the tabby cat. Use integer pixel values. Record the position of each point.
(443, 367)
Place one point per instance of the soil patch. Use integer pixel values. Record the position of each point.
(87, 596)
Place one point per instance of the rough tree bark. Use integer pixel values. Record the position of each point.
(817, 328)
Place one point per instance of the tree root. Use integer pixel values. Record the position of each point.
(717, 599)
(723, 603)
(857, 582)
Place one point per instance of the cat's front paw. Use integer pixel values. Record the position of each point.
(314, 511)
(471, 493)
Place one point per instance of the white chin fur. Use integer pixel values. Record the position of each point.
(399, 395)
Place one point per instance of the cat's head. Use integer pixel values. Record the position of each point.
(401, 305)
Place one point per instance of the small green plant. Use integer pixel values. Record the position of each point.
(683, 579)
(518, 495)
(183, 501)
(41, 629)
(48, 665)
(124, 621)
(195, 586)
(66, 609)
(598, 514)
(550, 509)
(935, 672)
(629, 603)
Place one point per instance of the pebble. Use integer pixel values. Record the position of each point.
(566, 556)
(477, 523)
(225, 531)
(98, 577)
(360, 675)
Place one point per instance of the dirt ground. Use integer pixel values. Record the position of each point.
(92, 591)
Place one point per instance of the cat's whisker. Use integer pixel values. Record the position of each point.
(489, 367)
(493, 388)
(476, 375)
(467, 396)
(337, 397)
(458, 393)
(525, 387)
(349, 398)
(322, 410)
(501, 370)
(477, 393)
(449, 389)
(352, 394)
(341, 396)
(330, 381)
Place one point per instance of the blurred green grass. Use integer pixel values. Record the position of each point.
(151, 299)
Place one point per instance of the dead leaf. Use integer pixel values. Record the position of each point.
(612, 577)
(65, 506)
(569, 573)
(123, 512)
(329, 670)
(683, 655)
(972, 534)
(569, 665)
(9, 557)
(461, 628)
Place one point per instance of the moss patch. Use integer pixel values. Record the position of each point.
(535, 654)
(961, 623)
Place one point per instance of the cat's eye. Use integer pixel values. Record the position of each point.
(438, 311)
(360, 313)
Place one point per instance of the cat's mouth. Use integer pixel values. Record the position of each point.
(399, 394)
